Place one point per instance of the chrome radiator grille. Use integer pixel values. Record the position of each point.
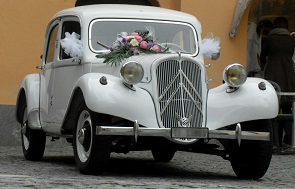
(179, 87)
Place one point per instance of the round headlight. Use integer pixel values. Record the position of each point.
(234, 75)
(132, 72)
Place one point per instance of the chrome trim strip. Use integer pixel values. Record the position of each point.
(129, 131)
(167, 133)
(245, 135)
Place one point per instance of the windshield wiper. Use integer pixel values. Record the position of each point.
(103, 45)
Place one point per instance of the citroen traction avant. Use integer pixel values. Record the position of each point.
(121, 78)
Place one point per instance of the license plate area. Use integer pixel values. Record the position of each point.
(189, 132)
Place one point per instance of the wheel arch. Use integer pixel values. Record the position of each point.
(72, 114)
(21, 100)
(249, 102)
(29, 93)
(70, 118)
(113, 99)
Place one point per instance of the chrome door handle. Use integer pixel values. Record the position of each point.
(40, 67)
(77, 60)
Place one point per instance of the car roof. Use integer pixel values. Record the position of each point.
(90, 12)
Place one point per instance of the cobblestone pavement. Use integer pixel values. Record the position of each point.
(136, 170)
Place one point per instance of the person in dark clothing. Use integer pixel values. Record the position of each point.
(276, 58)
(133, 2)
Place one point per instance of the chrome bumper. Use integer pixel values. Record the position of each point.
(183, 132)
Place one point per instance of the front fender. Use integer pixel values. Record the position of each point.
(116, 99)
(31, 87)
(247, 103)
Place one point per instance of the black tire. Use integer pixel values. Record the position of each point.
(251, 160)
(33, 141)
(163, 151)
(92, 152)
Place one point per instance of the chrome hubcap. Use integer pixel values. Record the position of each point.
(81, 136)
(25, 137)
(24, 128)
(84, 136)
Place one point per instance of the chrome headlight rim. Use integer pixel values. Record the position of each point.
(131, 72)
(235, 75)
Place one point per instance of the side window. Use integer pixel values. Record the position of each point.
(51, 44)
(69, 26)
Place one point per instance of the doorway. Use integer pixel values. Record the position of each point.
(260, 22)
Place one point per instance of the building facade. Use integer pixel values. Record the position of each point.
(23, 25)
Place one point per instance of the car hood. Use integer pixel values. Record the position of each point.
(149, 62)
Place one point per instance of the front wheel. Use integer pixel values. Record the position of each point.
(163, 151)
(251, 160)
(91, 152)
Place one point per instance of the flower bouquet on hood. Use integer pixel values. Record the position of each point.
(139, 42)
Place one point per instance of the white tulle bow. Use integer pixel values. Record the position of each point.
(72, 44)
(210, 45)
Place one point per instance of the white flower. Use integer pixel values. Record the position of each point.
(134, 42)
(130, 37)
(151, 31)
(124, 34)
(120, 37)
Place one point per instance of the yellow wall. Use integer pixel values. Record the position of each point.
(23, 24)
(22, 30)
(216, 16)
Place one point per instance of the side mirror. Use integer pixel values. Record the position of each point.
(215, 56)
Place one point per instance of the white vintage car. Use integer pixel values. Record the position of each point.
(120, 78)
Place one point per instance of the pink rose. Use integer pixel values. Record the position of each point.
(143, 45)
(134, 34)
(138, 38)
(156, 48)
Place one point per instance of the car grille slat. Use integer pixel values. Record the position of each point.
(179, 88)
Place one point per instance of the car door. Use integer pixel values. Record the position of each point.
(46, 84)
(67, 70)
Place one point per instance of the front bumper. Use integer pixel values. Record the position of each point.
(183, 132)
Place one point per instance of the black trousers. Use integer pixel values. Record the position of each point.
(285, 126)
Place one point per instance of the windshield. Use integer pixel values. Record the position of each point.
(177, 36)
